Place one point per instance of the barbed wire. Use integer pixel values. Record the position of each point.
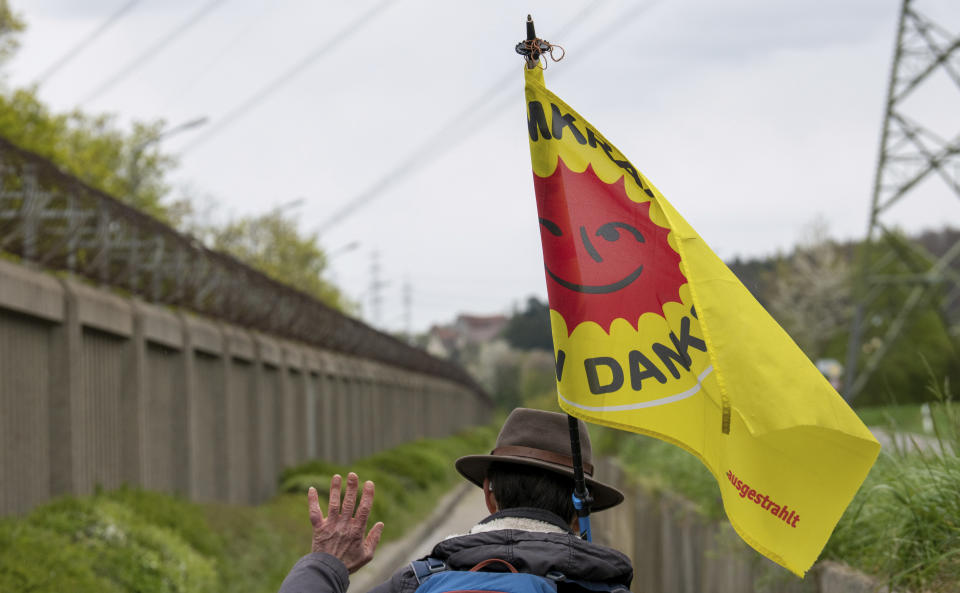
(56, 221)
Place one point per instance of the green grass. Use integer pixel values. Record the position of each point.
(137, 541)
(904, 523)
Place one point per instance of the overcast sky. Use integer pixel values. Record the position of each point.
(753, 117)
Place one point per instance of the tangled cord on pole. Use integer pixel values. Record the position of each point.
(537, 49)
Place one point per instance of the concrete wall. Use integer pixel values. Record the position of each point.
(676, 550)
(99, 391)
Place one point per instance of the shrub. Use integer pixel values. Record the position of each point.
(409, 478)
(133, 540)
(36, 559)
(108, 547)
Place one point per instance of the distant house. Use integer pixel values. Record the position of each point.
(466, 333)
(442, 341)
(477, 329)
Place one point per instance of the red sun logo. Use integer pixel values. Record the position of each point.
(604, 258)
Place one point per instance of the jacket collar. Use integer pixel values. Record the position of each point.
(521, 518)
(537, 552)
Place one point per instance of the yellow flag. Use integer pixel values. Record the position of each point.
(653, 334)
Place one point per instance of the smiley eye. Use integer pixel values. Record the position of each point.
(552, 227)
(610, 233)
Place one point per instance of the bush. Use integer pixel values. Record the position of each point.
(35, 559)
(133, 540)
(109, 547)
(408, 478)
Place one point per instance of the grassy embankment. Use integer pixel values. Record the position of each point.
(902, 526)
(132, 540)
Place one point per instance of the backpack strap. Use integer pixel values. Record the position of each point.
(491, 561)
(594, 587)
(563, 583)
(426, 568)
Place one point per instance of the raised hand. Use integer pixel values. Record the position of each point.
(341, 533)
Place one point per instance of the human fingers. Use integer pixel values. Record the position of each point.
(313, 504)
(366, 503)
(373, 539)
(350, 498)
(333, 506)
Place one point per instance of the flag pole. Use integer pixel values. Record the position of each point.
(581, 497)
(531, 49)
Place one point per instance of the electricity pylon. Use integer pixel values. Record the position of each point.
(909, 154)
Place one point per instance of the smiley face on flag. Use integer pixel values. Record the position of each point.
(604, 257)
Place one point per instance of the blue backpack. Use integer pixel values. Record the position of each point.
(434, 577)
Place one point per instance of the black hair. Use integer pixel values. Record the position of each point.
(529, 486)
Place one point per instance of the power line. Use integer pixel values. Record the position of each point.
(76, 49)
(342, 35)
(180, 93)
(153, 50)
(442, 141)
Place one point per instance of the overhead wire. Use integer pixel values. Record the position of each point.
(244, 33)
(153, 50)
(432, 147)
(442, 141)
(83, 43)
(348, 31)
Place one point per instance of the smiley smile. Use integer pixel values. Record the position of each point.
(603, 289)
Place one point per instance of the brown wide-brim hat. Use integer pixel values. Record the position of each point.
(541, 439)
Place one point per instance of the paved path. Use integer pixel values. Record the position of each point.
(905, 441)
(456, 512)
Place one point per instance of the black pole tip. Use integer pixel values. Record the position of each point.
(531, 34)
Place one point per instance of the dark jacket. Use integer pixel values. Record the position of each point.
(534, 552)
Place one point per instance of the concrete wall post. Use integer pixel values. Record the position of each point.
(187, 452)
(134, 402)
(309, 413)
(66, 386)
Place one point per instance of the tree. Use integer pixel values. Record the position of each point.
(126, 165)
(530, 329)
(513, 377)
(812, 291)
(273, 244)
(10, 25)
(924, 347)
